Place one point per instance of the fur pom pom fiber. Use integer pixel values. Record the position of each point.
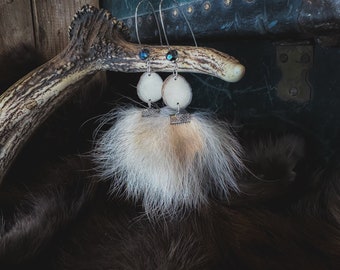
(169, 168)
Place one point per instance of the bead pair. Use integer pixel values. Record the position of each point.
(175, 90)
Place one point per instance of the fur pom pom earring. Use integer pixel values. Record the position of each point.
(170, 166)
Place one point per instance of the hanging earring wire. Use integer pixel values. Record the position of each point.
(185, 18)
(172, 55)
(176, 91)
(149, 87)
(144, 53)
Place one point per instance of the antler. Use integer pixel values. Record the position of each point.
(97, 42)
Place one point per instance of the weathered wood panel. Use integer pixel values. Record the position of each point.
(51, 21)
(16, 25)
(39, 23)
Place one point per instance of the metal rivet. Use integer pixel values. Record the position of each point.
(293, 91)
(129, 22)
(175, 12)
(283, 57)
(190, 9)
(228, 2)
(206, 6)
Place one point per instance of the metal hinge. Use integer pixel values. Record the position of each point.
(295, 61)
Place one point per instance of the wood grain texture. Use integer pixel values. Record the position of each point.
(16, 25)
(51, 21)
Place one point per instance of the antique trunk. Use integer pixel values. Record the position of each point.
(289, 48)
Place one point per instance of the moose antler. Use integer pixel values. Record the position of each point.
(97, 42)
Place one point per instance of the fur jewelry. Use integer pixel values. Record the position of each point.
(168, 167)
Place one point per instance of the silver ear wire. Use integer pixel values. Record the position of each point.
(154, 14)
(176, 91)
(163, 27)
(145, 53)
(150, 84)
(175, 71)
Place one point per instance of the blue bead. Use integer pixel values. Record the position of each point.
(144, 54)
(172, 55)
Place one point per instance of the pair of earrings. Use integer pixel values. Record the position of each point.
(170, 169)
(175, 90)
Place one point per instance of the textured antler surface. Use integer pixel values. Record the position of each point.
(97, 42)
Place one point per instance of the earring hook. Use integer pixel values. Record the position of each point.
(154, 14)
(163, 27)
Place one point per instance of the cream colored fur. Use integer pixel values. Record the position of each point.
(170, 168)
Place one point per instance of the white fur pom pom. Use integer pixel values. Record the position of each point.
(170, 168)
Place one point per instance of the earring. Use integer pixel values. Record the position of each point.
(177, 95)
(176, 91)
(173, 168)
(149, 87)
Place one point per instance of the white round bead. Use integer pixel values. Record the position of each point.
(176, 92)
(149, 87)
